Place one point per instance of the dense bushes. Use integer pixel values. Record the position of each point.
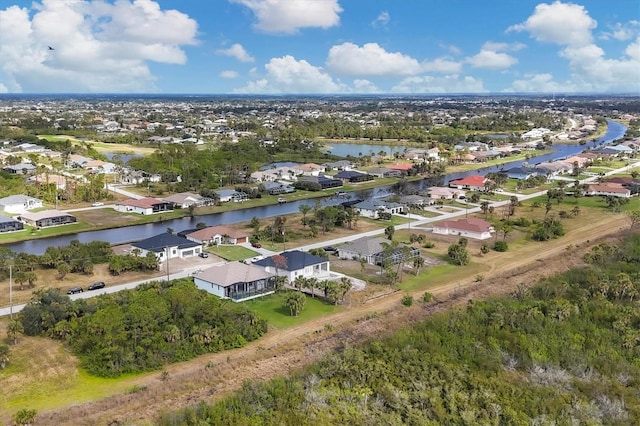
(564, 353)
(142, 329)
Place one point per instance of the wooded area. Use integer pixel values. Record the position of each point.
(565, 352)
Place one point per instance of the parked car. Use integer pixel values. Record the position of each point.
(329, 248)
(74, 290)
(96, 286)
(203, 254)
(256, 245)
(97, 204)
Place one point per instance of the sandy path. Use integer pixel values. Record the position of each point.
(281, 351)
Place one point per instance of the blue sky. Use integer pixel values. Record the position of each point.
(319, 46)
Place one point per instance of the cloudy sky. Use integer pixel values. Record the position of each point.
(319, 46)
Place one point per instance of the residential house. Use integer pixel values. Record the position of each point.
(183, 200)
(384, 172)
(608, 189)
(372, 250)
(323, 181)
(20, 169)
(339, 165)
(444, 193)
(276, 188)
(147, 205)
(554, 168)
(520, 173)
(373, 207)
(46, 218)
(215, 235)
(8, 224)
(470, 227)
(353, 176)
(292, 264)
(50, 179)
(168, 246)
(227, 195)
(403, 168)
(236, 281)
(473, 183)
(579, 160)
(135, 177)
(309, 169)
(19, 203)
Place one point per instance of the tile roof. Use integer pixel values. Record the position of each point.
(160, 242)
(208, 233)
(233, 273)
(366, 246)
(295, 260)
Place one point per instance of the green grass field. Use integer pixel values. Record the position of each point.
(232, 253)
(272, 308)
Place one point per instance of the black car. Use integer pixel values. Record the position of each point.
(74, 290)
(330, 248)
(203, 254)
(96, 286)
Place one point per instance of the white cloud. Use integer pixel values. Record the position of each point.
(570, 26)
(288, 75)
(447, 84)
(492, 60)
(454, 50)
(382, 20)
(236, 51)
(370, 59)
(539, 83)
(99, 47)
(364, 86)
(442, 65)
(3, 88)
(622, 31)
(501, 46)
(288, 16)
(229, 74)
(561, 23)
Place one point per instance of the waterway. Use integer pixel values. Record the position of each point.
(127, 234)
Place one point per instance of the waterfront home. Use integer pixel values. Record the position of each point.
(372, 208)
(236, 281)
(353, 176)
(168, 246)
(47, 218)
(145, 206)
(478, 229)
(228, 195)
(19, 203)
(183, 200)
(339, 165)
(473, 183)
(8, 224)
(444, 193)
(215, 235)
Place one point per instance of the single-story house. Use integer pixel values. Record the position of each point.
(309, 169)
(324, 181)
(444, 193)
(19, 203)
(214, 235)
(167, 245)
(372, 250)
(474, 183)
(383, 172)
(8, 224)
(236, 281)
(134, 177)
(372, 208)
(292, 264)
(339, 165)
(277, 188)
(554, 168)
(471, 227)
(147, 205)
(353, 176)
(50, 179)
(227, 195)
(608, 189)
(183, 200)
(521, 173)
(20, 169)
(46, 218)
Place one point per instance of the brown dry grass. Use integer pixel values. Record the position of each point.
(210, 377)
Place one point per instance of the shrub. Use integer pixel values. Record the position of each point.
(501, 246)
(426, 297)
(407, 300)
(429, 244)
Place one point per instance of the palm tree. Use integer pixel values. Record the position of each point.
(304, 209)
(14, 329)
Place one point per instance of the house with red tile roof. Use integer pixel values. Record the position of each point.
(470, 227)
(608, 189)
(473, 183)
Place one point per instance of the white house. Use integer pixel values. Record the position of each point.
(471, 227)
(168, 246)
(372, 208)
(19, 203)
(236, 281)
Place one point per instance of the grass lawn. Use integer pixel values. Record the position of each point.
(272, 308)
(231, 252)
(30, 233)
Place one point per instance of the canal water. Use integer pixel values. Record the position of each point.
(127, 234)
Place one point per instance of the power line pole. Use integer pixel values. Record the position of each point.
(167, 251)
(10, 293)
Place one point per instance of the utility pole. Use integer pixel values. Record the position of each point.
(10, 294)
(167, 251)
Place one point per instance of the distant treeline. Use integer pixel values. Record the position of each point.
(565, 352)
(143, 329)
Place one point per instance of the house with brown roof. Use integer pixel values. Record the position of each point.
(236, 281)
(608, 189)
(216, 235)
(147, 205)
(470, 227)
(309, 169)
(46, 218)
(444, 193)
(48, 179)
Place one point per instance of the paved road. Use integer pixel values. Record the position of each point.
(414, 223)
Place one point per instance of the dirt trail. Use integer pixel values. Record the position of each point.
(210, 377)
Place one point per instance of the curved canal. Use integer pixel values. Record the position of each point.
(127, 234)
